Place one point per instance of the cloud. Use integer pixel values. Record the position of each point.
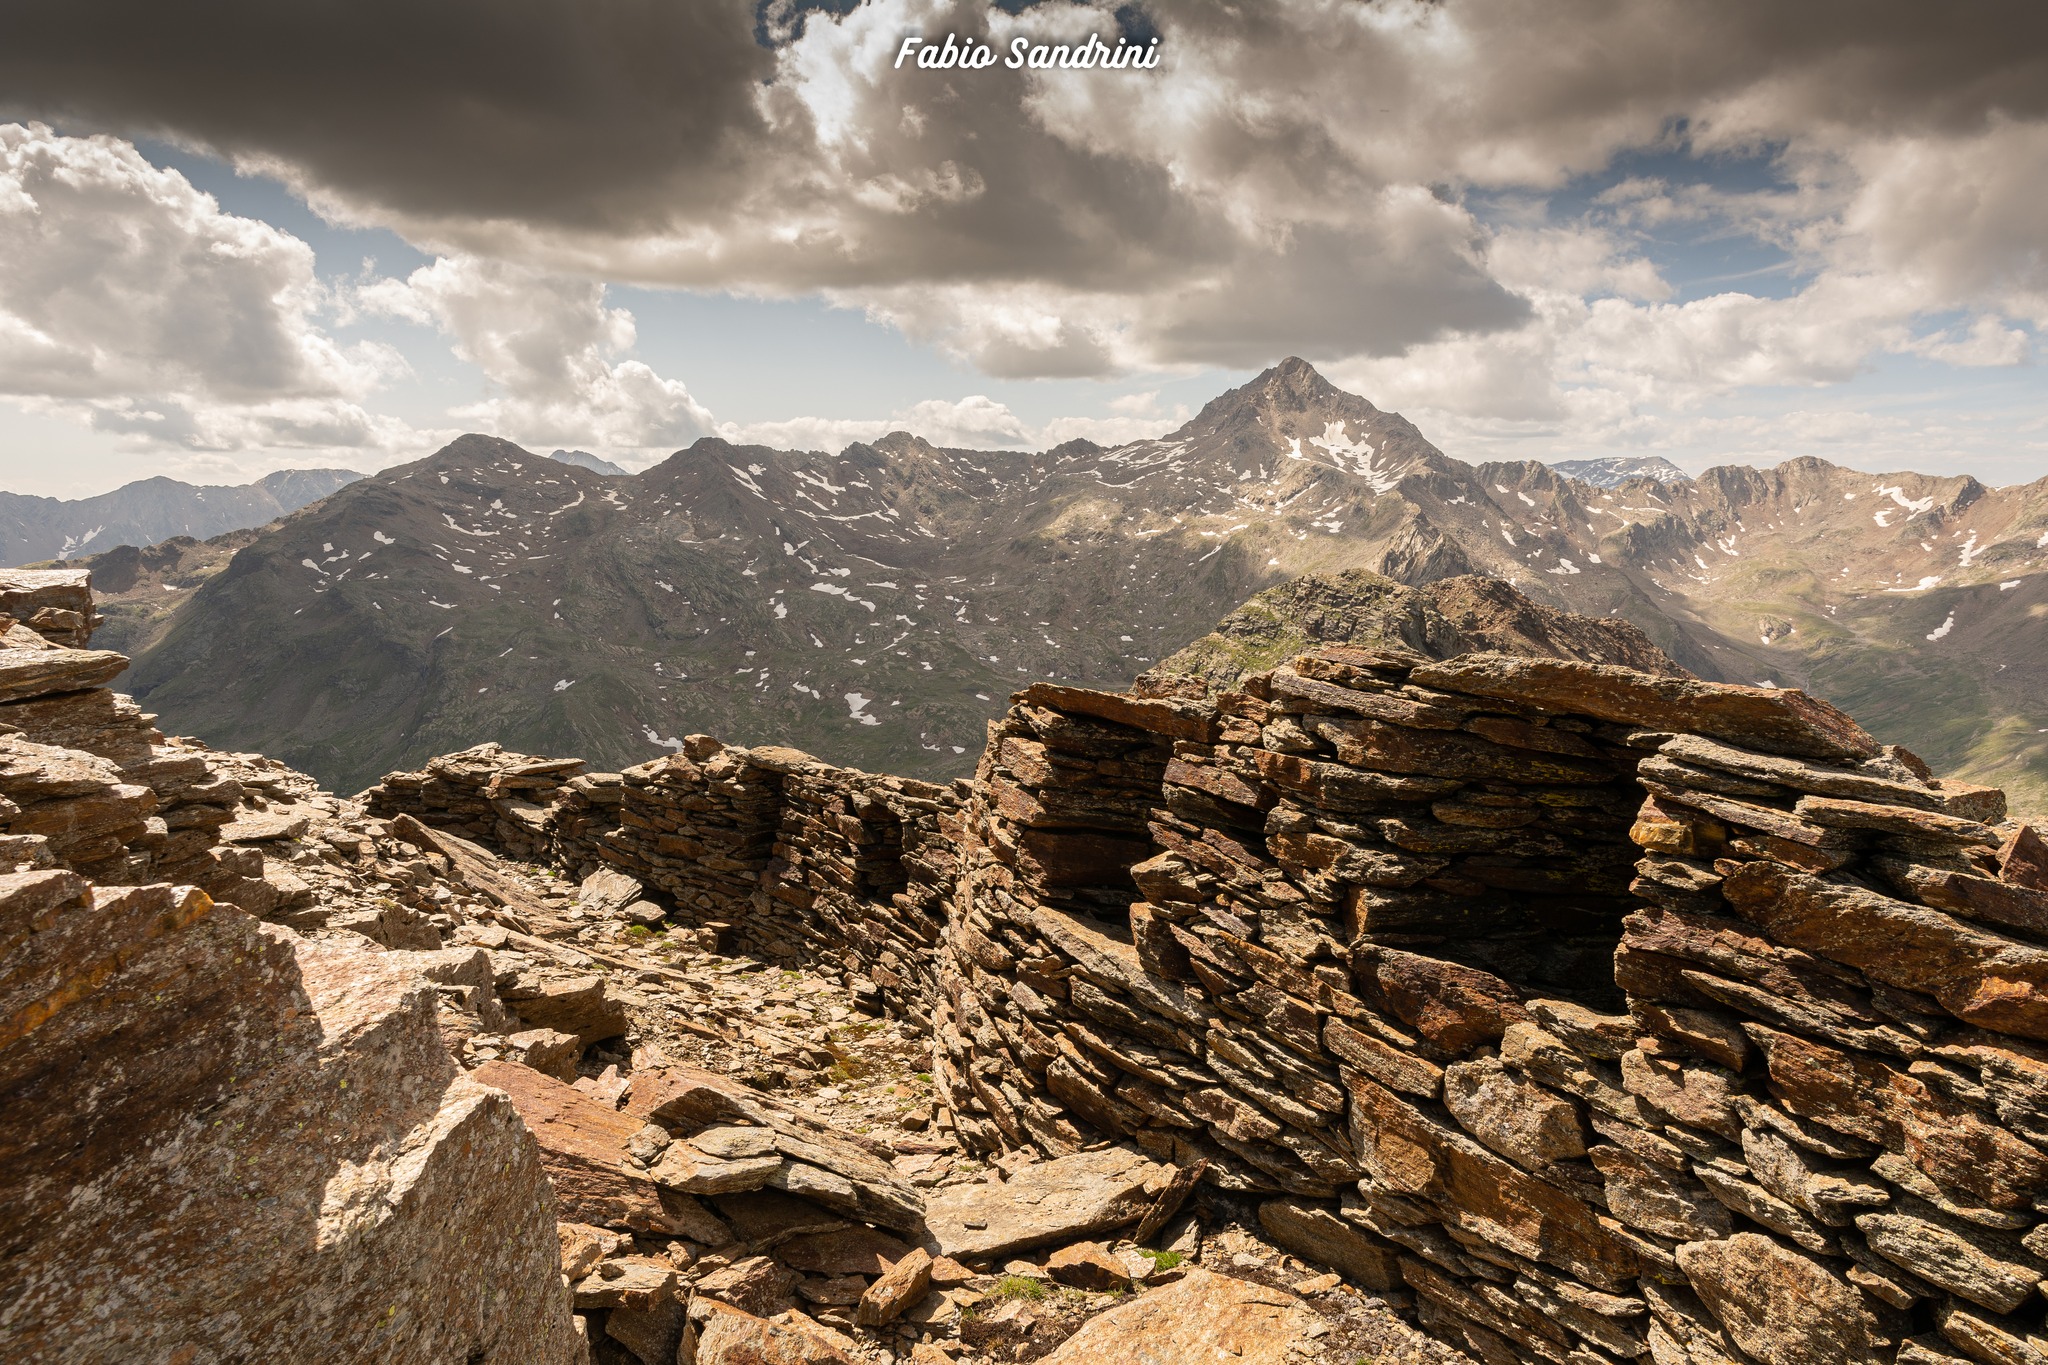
(545, 112)
(546, 343)
(972, 423)
(1405, 192)
(664, 145)
(130, 300)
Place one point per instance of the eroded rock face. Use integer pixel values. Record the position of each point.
(1778, 1305)
(194, 1081)
(1604, 1014)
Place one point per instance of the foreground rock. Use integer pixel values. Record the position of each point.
(1045, 1202)
(729, 1336)
(222, 1136)
(1205, 1317)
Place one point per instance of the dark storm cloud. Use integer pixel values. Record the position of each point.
(601, 114)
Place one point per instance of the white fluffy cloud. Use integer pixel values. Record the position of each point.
(1924, 243)
(130, 300)
(973, 423)
(549, 347)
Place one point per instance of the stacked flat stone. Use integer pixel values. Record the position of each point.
(55, 603)
(1367, 966)
(864, 864)
(1599, 1016)
(86, 770)
(486, 793)
(777, 854)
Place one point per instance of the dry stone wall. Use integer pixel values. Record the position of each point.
(765, 850)
(1605, 1016)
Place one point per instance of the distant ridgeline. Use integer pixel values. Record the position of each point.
(34, 529)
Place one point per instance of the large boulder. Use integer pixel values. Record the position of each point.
(730, 1336)
(227, 1143)
(1202, 1317)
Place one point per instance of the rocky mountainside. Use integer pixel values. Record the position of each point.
(139, 589)
(1451, 616)
(449, 1106)
(149, 510)
(876, 606)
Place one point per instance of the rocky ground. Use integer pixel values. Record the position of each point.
(589, 989)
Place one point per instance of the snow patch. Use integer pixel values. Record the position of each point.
(1913, 506)
(1354, 457)
(564, 684)
(856, 706)
(1944, 628)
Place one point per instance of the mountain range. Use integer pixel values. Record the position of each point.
(877, 606)
(1612, 471)
(583, 459)
(149, 510)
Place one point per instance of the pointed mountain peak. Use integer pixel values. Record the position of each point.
(1296, 385)
(1290, 389)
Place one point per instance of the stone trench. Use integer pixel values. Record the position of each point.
(1590, 1016)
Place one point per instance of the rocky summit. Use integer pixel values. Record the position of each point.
(876, 606)
(1411, 1000)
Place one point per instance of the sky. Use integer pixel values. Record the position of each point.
(238, 237)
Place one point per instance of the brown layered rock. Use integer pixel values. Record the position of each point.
(730, 1336)
(1590, 974)
(1980, 976)
(582, 1146)
(1869, 1100)
(1778, 1305)
(779, 1147)
(55, 603)
(1477, 1192)
(901, 1286)
(1315, 1233)
(1776, 720)
(1203, 1316)
(189, 1080)
(1045, 1202)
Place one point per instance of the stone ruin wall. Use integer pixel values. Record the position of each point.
(766, 850)
(1597, 1016)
